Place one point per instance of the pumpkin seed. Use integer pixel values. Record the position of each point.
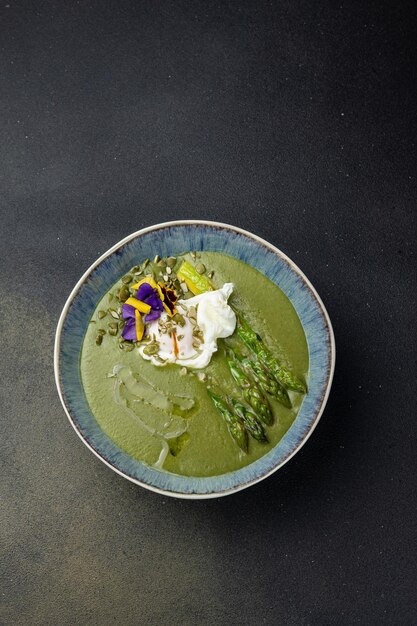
(127, 279)
(113, 325)
(129, 347)
(135, 269)
(101, 331)
(162, 263)
(99, 340)
(171, 260)
(101, 314)
(200, 268)
(114, 314)
(151, 349)
(145, 263)
(121, 346)
(124, 293)
(111, 296)
(194, 255)
(156, 258)
(210, 274)
(179, 319)
(113, 332)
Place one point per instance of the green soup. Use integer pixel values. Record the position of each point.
(204, 445)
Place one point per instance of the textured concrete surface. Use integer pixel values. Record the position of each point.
(291, 119)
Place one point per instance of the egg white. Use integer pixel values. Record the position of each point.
(215, 318)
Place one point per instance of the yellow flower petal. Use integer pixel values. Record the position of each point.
(140, 326)
(139, 305)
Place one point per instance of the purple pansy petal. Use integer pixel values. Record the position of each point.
(153, 315)
(128, 311)
(155, 302)
(129, 331)
(144, 290)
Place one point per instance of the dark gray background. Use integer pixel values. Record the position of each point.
(295, 120)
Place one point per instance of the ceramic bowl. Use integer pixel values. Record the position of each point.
(173, 238)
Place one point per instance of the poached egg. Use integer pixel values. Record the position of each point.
(205, 318)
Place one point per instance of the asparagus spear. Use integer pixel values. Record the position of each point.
(255, 343)
(195, 282)
(251, 422)
(267, 382)
(251, 390)
(233, 421)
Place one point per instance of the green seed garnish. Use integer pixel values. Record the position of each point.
(194, 255)
(200, 268)
(162, 263)
(113, 332)
(179, 319)
(124, 293)
(101, 314)
(101, 331)
(99, 340)
(145, 263)
(127, 279)
(111, 296)
(114, 314)
(157, 258)
(151, 349)
(171, 260)
(210, 274)
(129, 347)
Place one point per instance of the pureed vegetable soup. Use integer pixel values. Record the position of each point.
(195, 365)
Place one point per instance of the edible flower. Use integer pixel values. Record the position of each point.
(151, 300)
(149, 295)
(170, 298)
(134, 327)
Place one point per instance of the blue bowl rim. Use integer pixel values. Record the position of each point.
(320, 408)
